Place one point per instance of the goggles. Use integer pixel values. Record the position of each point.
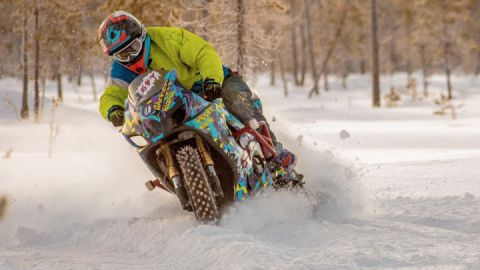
(129, 53)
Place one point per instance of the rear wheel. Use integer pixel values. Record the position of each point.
(197, 184)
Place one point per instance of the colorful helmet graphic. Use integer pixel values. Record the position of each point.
(119, 30)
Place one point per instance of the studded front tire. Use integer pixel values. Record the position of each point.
(197, 184)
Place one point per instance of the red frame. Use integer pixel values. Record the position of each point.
(263, 137)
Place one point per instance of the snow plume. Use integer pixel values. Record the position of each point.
(332, 180)
(47, 201)
(268, 209)
(93, 174)
(333, 193)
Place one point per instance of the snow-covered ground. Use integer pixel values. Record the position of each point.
(404, 188)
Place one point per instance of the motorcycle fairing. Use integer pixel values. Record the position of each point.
(213, 122)
(158, 106)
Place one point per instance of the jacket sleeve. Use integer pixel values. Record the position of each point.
(113, 95)
(197, 53)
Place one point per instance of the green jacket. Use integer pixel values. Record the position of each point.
(171, 48)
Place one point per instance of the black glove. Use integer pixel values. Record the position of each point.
(116, 116)
(212, 89)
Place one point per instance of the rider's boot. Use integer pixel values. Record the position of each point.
(283, 168)
(283, 165)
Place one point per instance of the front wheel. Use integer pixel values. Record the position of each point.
(197, 184)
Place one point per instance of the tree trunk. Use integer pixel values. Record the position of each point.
(24, 109)
(393, 56)
(42, 101)
(295, 56)
(36, 103)
(282, 74)
(392, 63)
(331, 48)
(424, 70)
(313, 65)
(446, 48)
(477, 69)
(139, 5)
(363, 66)
(94, 87)
(106, 75)
(253, 78)
(241, 36)
(375, 57)
(272, 73)
(303, 40)
(294, 42)
(326, 85)
(79, 75)
(346, 71)
(205, 16)
(59, 86)
(408, 32)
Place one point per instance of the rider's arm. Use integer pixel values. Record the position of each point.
(116, 91)
(196, 53)
(113, 96)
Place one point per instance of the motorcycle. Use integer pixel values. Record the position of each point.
(196, 149)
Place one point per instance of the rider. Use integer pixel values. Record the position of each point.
(136, 49)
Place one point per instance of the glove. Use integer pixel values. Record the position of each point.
(212, 89)
(116, 116)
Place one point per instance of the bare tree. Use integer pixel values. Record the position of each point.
(295, 56)
(313, 64)
(282, 74)
(331, 48)
(408, 22)
(272, 73)
(36, 103)
(94, 87)
(303, 41)
(375, 57)
(293, 37)
(24, 109)
(424, 70)
(58, 77)
(477, 69)
(446, 47)
(240, 35)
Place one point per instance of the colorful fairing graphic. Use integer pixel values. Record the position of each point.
(159, 106)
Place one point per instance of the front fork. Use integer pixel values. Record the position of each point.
(209, 165)
(173, 174)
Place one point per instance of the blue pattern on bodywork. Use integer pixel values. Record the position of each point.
(210, 119)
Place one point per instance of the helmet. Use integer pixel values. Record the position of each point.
(122, 35)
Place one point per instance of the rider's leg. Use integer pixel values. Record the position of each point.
(241, 101)
(245, 105)
(237, 98)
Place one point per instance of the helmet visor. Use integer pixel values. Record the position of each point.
(129, 53)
